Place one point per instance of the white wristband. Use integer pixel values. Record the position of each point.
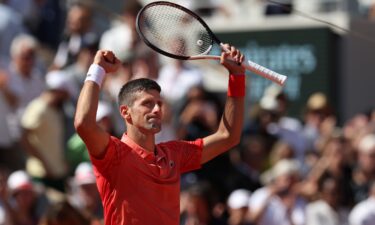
(96, 73)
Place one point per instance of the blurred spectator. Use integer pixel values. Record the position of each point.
(176, 78)
(364, 173)
(319, 121)
(199, 115)
(25, 79)
(328, 209)
(77, 33)
(85, 196)
(77, 71)
(62, 213)
(122, 37)
(238, 203)
(145, 63)
(23, 204)
(200, 204)
(169, 130)
(333, 163)
(76, 151)
(248, 162)
(281, 150)
(43, 135)
(264, 116)
(364, 212)
(10, 26)
(10, 153)
(285, 128)
(279, 202)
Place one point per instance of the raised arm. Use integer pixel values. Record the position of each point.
(85, 124)
(230, 128)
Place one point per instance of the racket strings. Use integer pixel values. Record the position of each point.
(174, 31)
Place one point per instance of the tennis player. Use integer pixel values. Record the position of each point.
(138, 180)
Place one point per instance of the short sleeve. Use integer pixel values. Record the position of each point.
(191, 155)
(111, 158)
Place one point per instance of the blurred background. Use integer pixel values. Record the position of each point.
(307, 155)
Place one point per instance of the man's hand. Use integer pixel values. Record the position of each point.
(232, 59)
(107, 60)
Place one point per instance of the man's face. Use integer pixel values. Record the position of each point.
(146, 111)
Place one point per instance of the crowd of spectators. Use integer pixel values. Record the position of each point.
(286, 170)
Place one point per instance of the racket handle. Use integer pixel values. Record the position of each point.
(266, 73)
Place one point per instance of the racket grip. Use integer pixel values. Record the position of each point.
(266, 73)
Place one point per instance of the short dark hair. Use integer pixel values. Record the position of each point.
(128, 90)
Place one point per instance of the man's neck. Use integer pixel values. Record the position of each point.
(146, 141)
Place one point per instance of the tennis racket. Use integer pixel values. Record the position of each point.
(179, 33)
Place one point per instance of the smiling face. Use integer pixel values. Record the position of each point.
(145, 113)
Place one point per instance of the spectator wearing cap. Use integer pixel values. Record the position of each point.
(238, 207)
(21, 200)
(319, 120)
(85, 196)
(76, 151)
(43, 136)
(279, 202)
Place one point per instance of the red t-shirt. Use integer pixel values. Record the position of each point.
(140, 187)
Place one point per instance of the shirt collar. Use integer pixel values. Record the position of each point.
(143, 153)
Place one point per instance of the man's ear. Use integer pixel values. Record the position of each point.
(124, 111)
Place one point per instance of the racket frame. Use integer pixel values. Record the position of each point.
(251, 66)
(148, 43)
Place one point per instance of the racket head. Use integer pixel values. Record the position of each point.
(174, 30)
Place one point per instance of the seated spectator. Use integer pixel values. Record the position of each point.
(238, 203)
(77, 32)
(249, 160)
(279, 202)
(176, 78)
(328, 208)
(198, 115)
(85, 196)
(11, 156)
(333, 163)
(364, 172)
(200, 204)
(23, 203)
(319, 121)
(122, 37)
(25, 78)
(43, 135)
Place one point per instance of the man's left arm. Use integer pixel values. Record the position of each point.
(230, 127)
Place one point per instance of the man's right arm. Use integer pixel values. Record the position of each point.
(95, 138)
